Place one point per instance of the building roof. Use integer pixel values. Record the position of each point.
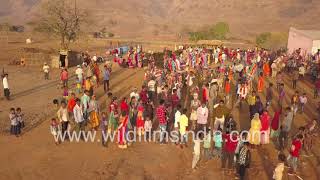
(209, 42)
(313, 34)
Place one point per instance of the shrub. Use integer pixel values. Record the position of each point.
(219, 30)
(272, 40)
(110, 34)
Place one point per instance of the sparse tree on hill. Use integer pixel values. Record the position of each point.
(63, 19)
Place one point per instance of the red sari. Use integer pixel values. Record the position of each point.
(124, 107)
(265, 128)
(266, 69)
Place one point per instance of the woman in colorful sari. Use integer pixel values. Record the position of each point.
(94, 113)
(265, 127)
(260, 83)
(124, 107)
(96, 72)
(275, 122)
(254, 136)
(266, 69)
(140, 119)
(123, 121)
(88, 86)
(133, 111)
(113, 116)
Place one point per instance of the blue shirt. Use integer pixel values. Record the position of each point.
(106, 75)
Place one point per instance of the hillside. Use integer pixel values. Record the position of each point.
(151, 18)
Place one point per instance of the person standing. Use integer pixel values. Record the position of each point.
(78, 116)
(106, 79)
(287, 123)
(85, 99)
(63, 117)
(244, 160)
(79, 73)
(152, 89)
(183, 124)
(295, 152)
(202, 117)
(295, 78)
(6, 89)
(45, 69)
(196, 151)
(64, 77)
(161, 116)
(278, 171)
(231, 142)
(269, 95)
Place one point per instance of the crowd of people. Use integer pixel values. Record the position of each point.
(197, 90)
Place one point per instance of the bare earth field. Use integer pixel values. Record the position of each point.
(35, 156)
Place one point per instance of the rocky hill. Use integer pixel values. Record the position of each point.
(151, 18)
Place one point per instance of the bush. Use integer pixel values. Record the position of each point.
(218, 31)
(263, 38)
(110, 34)
(196, 36)
(272, 40)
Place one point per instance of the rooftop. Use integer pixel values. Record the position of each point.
(313, 34)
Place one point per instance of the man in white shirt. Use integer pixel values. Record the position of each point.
(45, 69)
(302, 71)
(78, 115)
(79, 73)
(6, 86)
(63, 117)
(134, 93)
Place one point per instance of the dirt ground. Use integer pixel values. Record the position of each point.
(35, 156)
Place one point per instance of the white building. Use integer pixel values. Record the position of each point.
(307, 40)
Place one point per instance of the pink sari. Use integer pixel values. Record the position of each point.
(122, 131)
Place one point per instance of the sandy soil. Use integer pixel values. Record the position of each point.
(35, 156)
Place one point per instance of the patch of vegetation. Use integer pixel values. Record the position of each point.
(218, 31)
(272, 40)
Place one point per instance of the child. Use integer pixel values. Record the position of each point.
(278, 172)
(20, 118)
(15, 129)
(196, 151)
(55, 129)
(218, 143)
(104, 126)
(207, 146)
(148, 128)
